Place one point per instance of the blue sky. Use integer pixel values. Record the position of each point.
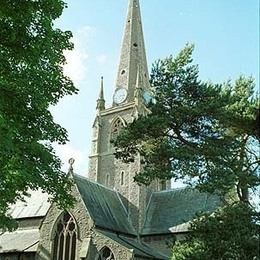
(225, 34)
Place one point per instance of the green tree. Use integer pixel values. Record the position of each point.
(203, 133)
(31, 80)
(231, 232)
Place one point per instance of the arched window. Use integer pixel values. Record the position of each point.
(116, 127)
(65, 236)
(106, 254)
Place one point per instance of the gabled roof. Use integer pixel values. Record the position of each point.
(171, 208)
(19, 241)
(104, 206)
(35, 205)
(140, 249)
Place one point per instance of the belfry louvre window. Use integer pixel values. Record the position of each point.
(64, 245)
(115, 129)
(106, 254)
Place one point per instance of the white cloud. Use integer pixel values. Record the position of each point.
(76, 67)
(85, 30)
(101, 59)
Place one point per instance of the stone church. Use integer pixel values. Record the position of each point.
(114, 218)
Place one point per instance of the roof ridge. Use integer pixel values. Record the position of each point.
(94, 182)
(172, 189)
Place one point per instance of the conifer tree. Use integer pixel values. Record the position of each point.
(207, 135)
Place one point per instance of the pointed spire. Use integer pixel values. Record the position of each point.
(101, 101)
(101, 94)
(133, 56)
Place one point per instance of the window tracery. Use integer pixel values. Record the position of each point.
(65, 236)
(106, 254)
(117, 125)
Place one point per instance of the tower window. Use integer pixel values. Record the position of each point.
(106, 254)
(122, 178)
(107, 179)
(115, 129)
(135, 44)
(64, 246)
(162, 185)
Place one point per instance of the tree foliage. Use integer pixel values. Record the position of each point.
(202, 132)
(31, 79)
(207, 135)
(221, 236)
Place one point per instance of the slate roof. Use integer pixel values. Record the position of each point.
(172, 208)
(19, 241)
(140, 249)
(104, 206)
(36, 205)
(168, 212)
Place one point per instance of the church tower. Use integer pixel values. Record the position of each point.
(129, 101)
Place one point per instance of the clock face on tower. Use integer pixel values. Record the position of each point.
(120, 95)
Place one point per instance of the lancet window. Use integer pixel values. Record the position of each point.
(107, 179)
(122, 178)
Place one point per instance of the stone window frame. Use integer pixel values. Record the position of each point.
(105, 253)
(64, 237)
(116, 125)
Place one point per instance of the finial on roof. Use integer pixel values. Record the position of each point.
(101, 94)
(71, 161)
(101, 101)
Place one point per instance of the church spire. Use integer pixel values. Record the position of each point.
(129, 101)
(133, 56)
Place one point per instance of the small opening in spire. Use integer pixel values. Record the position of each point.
(135, 44)
(122, 72)
(122, 181)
